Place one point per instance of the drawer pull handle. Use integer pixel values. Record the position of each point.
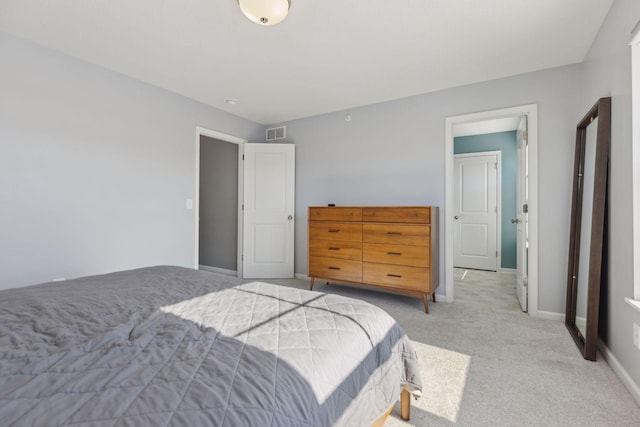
(394, 233)
(394, 253)
(334, 249)
(334, 268)
(334, 230)
(394, 275)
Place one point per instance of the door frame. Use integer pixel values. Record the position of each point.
(522, 141)
(200, 131)
(531, 111)
(498, 155)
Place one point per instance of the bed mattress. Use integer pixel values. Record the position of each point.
(174, 346)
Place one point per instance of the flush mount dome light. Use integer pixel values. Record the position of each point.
(265, 12)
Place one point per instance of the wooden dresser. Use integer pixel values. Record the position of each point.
(394, 248)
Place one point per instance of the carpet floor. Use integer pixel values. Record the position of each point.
(486, 363)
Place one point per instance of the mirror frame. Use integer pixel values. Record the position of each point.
(588, 343)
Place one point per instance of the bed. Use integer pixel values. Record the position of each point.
(173, 346)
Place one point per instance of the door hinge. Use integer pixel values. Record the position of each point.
(496, 253)
(525, 135)
(243, 157)
(525, 208)
(495, 165)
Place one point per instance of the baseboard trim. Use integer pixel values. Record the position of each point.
(550, 315)
(218, 270)
(620, 371)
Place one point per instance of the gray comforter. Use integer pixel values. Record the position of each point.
(174, 346)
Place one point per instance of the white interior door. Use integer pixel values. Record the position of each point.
(268, 215)
(522, 216)
(475, 211)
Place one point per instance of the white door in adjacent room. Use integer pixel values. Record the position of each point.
(476, 211)
(268, 212)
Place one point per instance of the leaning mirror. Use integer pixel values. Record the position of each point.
(587, 233)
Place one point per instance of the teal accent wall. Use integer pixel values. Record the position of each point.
(506, 143)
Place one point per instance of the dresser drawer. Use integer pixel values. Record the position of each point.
(337, 269)
(397, 276)
(336, 249)
(417, 256)
(397, 234)
(342, 231)
(335, 214)
(418, 214)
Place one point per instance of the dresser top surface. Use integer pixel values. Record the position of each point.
(372, 207)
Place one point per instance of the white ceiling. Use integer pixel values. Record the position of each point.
(328, 55)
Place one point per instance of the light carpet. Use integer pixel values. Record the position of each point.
(486, 363)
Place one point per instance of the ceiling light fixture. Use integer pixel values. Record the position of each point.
(265, 12)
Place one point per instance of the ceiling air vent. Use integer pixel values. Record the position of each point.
(274, 134)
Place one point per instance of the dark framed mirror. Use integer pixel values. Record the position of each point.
(587, 233)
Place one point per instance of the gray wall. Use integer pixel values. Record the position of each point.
(394, 153)
(504, 142)
(218, 203)
(95, 168)
(607, 72)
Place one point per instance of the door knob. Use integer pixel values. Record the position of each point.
(455, 217)
(290, 217)
(515, 221)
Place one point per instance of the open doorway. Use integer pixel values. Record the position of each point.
(516, 120)
(218, 202)
(253, 201)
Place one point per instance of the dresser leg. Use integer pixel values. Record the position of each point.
(311, 284)
(433, 297)
(426, 303)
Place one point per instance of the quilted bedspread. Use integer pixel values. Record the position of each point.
(174, 346)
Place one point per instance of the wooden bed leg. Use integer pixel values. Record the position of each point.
(311, 285)
(405, 405)
(426, 303)
(433, 297)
